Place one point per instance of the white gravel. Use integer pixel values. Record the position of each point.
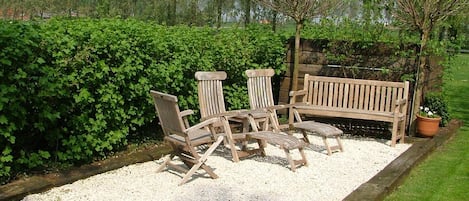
(257, 178)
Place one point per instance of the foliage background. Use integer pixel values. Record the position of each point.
(74, 90)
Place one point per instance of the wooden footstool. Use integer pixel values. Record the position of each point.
(323, 130)
(285, 142)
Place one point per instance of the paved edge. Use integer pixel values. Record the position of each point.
(375, 189)
(394, 174)
(17, 190)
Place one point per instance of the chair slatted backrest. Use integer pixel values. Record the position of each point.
(260, 88)
(210, 92)
(168, 113)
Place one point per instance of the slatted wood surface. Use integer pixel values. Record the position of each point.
(210, 92)
(367, 95)
(356, 99)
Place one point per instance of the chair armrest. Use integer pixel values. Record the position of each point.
(298, 93)
(186, 113)
(202, 124)
(277, 107)
(227, 114)
(295, 94)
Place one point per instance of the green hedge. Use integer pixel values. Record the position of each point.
(73, 90)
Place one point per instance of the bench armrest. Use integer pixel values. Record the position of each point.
(401, 102)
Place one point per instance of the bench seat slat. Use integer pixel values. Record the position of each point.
(347, 113)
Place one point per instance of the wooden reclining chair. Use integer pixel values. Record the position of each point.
(183, 139)
(260, 96)
(211, 101)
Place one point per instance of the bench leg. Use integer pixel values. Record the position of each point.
(339, 142)
(295, 163)
(329, 151)
(305, 136)
(290, 160)
(334, 148)
(304, 161)
(402, 131)
(394, 133)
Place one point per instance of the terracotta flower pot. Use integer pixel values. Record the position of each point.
(428, 127)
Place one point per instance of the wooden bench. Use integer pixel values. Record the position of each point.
(354, 98)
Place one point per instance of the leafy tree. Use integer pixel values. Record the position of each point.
(299, 11)
(424, 16)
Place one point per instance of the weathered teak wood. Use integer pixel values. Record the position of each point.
(183, 139)
(355, 98)
(211, 102)
(280, 140)
(211, 98)
(261, 96)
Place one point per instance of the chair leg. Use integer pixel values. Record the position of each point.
(229, 135)
(244, 144)
(201, 163)
(166, 160)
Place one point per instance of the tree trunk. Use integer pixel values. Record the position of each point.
(247, 12)
(193, 14)
(296, 62)
(172, 5)
(420, 79)
(219, 10)
(274, 20)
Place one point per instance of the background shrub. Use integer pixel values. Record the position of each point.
(74, 90)
(437, 102)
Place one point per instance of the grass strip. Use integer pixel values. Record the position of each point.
(444, 175)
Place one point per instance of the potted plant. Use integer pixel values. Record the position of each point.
(428, 122)
(433, 114)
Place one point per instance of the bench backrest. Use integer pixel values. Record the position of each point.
(369, 95)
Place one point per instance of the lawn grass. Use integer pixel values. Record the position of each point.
(444, 175)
